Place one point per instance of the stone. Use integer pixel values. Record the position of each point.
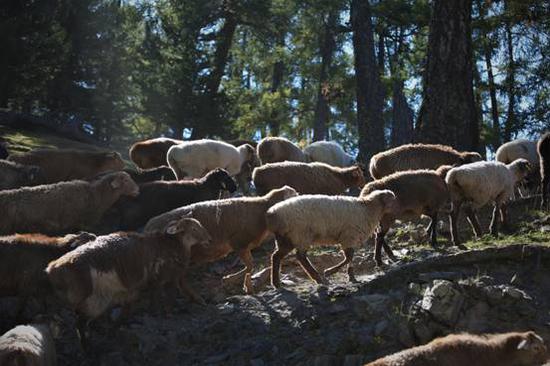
(381, 326)
(376, 303)
(443, 301)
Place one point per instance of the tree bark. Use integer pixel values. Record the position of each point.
(370, 121)
(326, 50)
(276, 82)
(402, 114)
(448, 113)
(510, 123)
(208, 121)
(487, 53)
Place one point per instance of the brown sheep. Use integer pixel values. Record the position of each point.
(277, 149)
(418, 192)
(114, 269)
(23, 259)
(236, 224)
(506, 349)
(62, 207)
(151, 153)
(13, 175)
(28, 345)
(417, 156)
(543, 150)
(307, 178)
(68, 164)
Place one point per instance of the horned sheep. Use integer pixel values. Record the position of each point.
(328, 152)
(418, 156)
(15, 175)
(418, 192)
(307, 178)
(62, 207)
(305, 221)
(155, 198)
(277, 149)
(28, 345)
(114, 269)
(543, 150)
(480, 183)
(69, 164)
(193, 159)
(236, 224)
(505, 349)
(151, 153)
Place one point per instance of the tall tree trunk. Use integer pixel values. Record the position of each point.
(276, 82)
(448, 113)
(510, 123)
(487, 53)
(326, 50)
(402, 114)
(208, 116)
(370, 121)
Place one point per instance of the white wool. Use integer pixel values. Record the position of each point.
(518, 149)
(328, 152)
(198, 157)
(322, 220)
(482, 182)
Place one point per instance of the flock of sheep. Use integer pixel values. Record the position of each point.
(48, 196)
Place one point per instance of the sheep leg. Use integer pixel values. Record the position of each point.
(282, 249)
(309, 269)
(453, 218)
(432, 229)
(348, 256)
(494, 220)
(380, 242)
(246, 257)
(82, 327)
(474, 222)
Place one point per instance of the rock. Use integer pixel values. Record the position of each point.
(443, 301)
(404, 334)
(376, 303)
(416, 288)
(475, 320)
(428, 277)
(257, 362)
(423, 332)
(381, 326)
(354, 360)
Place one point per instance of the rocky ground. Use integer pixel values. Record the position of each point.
(500, 285)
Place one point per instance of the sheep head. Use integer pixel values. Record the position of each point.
(123, 182)
(189, 230)
(530, 349)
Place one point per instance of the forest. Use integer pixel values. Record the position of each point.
(368, 74)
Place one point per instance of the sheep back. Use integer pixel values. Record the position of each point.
(14, 175)
(307, 178)
(69, 164)
(151, 175)
(193, 159)
(155, 198)
(32, 252)
(328, 152)
(417, 191)
(277, 149)
(516, 149)
(417, 156)
(507, 349)
(29, 345)
(151, 153)
(321, 220)
(481, 183)
(232, 223)
(61, 207)
(115, 268)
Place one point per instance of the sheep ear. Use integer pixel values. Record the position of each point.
(172, 228)
(115, 183)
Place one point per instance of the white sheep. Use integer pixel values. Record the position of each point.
(193, 159)
(305, 221)
(480, 183)
(328, 152)
(521, 149)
